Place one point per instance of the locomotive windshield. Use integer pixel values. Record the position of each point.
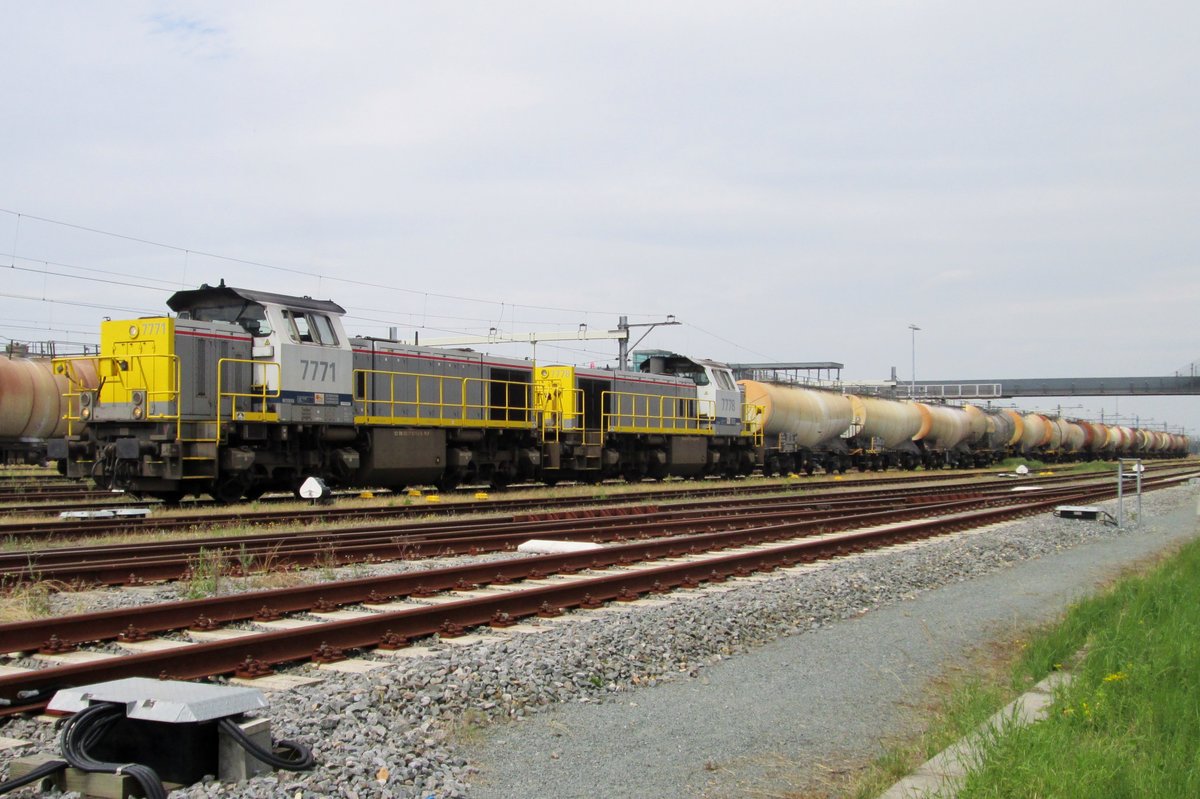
(250, 315)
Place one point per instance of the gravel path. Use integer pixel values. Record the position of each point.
(806, 703)
(720, 693)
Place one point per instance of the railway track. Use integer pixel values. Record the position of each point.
(139, 562)
(403, 607)
(247, 515)
(71, 497)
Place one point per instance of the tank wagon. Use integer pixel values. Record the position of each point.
(33, 406)
(241, 392)
(806, 428)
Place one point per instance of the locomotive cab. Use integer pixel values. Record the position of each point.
(302, 357)
(719, 397)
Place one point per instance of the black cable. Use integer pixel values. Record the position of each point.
(297, 757)
(87, 727)
(39, 773)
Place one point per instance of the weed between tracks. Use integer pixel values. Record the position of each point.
(26, 601)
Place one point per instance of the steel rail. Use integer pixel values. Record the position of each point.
(55, 529)
(170, 560)
(246, 515)
(138, 563)
(30, 689)
(73, 630)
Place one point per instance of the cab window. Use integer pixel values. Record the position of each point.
(310, 328)
(724, 381)
(324, 329)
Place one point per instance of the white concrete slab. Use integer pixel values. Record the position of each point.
(393, 607)
(343, 615)
(656, 601)
(475, 593)
(286, 624)
(442, 599)
(218, 635)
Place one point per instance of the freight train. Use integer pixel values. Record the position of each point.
(242, 392)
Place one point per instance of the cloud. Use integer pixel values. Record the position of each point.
(192, 36)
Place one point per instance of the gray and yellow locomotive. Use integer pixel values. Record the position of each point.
(242, 392)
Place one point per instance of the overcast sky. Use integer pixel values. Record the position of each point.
(794, 181)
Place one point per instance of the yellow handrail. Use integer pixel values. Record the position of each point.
(752, 422)
(450, 405)
(130, 374)
(555, 420)
(263, 414)
(629, 412)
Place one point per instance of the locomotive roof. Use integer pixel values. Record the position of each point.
(206, 294)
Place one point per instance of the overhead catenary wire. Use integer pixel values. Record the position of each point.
(188, 252)
(292, 270)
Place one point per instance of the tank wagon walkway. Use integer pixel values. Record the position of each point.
(805, 704)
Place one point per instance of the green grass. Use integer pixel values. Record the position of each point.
(1029, 463)
(1034, 465)
(1129, 725)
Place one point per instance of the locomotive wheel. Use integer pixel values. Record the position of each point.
(229, 490)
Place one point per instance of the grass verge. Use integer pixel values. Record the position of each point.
(1129, 724)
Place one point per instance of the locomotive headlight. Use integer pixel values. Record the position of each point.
(85, 414)
(138, 412)
(133, 331)
(85, 399)
(138, 398)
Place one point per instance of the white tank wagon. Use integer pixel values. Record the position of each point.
(882, 433)
(1074, 438)
(952, 430)
(1037, 433)
(801, 427)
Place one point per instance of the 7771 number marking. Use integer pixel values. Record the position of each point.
(320, 371)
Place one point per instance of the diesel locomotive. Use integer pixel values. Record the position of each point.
(242, 392)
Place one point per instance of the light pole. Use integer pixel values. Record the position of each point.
(912, 385)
